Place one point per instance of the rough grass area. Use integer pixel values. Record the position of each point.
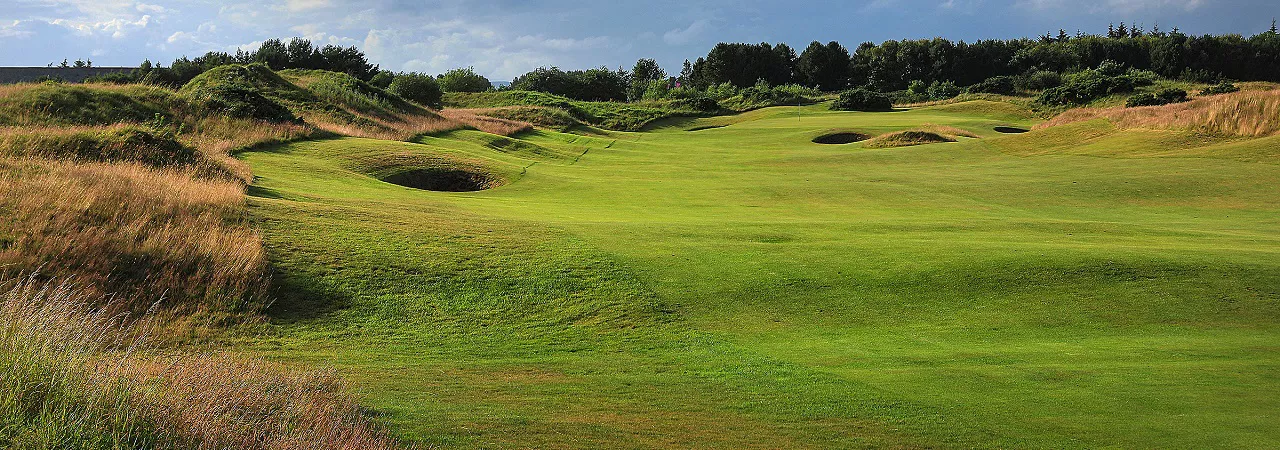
(544, 117)
(80, 377)
(1248, 114)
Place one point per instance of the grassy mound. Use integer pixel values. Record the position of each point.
(608, 115)
(544, 117)
(352, 94)
(908, 138)
(126, 143)
(59, 104)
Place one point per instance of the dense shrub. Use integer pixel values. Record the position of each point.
(1003, 85)
(590, 85)
(943, 90)
(382, 79)
(1163, 97)
(1224, 87)
(241, 101)
(860, 99)
(1040, 80)
(417, 87)
(1088, 85)
(464, 80)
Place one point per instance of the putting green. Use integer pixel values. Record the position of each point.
(743, 287)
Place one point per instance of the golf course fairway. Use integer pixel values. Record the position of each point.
(741, 286)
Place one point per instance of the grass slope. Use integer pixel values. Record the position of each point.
(742, 287)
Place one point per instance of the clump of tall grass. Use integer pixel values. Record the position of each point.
(73, 376)
(1246, 114)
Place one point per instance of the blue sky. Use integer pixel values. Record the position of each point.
(502, 38)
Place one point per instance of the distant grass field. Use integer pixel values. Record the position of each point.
(742, 287)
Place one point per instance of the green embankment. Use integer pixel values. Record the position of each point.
(743, 287)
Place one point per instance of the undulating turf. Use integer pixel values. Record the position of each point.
(743, 287)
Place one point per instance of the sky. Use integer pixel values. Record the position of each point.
(503, 38)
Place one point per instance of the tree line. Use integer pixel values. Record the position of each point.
(893, 65)
(924, 67)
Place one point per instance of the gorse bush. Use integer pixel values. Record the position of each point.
(1039, 80)
(1162, 97)
(1002, 85)
(860, 99)
(417, 87)
(1224, 87)
(943, 90)
(1088, 85)
(464, 80)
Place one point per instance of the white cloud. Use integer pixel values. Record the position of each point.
(686, 35)
(1112, 6)
(306, 5)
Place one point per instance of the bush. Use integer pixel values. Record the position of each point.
(240, 100)
(115, 78)
(1001, 85)
(382, 79)
(1224, 87)
(417, 87)
(862, 100)
(1111, 68)
(1088, 85)
(722, 91)
(1163, 97)
(943, 90)
(464, 80)
(1039, 81)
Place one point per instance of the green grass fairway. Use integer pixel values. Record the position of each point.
(742, 287)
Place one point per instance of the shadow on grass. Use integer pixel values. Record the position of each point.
(298, 297)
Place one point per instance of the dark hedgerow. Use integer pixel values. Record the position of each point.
(860, 99)
(1002, 85)
(1225, 87)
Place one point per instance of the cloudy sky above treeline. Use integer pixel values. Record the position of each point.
(503, 38)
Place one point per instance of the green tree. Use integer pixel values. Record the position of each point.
(824, 66)
(644, 74)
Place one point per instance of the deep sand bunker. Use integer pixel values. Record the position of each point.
(840, 138)
(445, 180)
(1011, 130)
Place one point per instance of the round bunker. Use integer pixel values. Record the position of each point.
(840, 138)
(445, 180)
(1011, 130)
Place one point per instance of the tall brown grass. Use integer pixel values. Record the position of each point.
(1245, 113)
(131, 230)
(487, 124)
(73, 376)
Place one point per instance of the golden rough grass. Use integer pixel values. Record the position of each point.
(487, 124)
(132, 230)
(924, 134)
(1245, 113)
(907, 138)
(96, 381)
